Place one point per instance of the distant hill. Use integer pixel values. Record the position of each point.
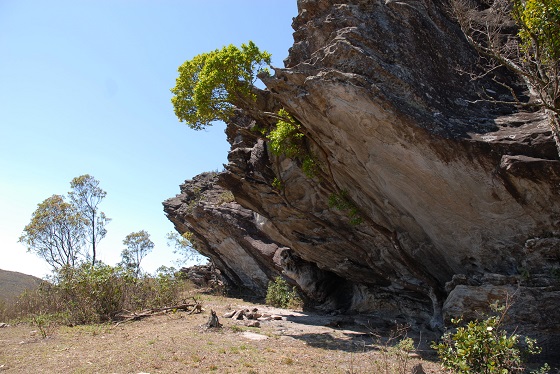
(13, 283)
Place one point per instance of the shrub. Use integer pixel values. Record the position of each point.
(94, 294)
(279, 294)
(226, 197)
(484, 347)
(288, 139)
(342, 202)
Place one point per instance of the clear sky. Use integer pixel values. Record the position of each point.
(84, 89)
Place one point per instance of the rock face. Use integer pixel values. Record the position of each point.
(457, 199)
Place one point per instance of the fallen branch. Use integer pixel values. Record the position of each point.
(127, 316)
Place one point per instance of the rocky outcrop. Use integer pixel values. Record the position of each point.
(457, 199)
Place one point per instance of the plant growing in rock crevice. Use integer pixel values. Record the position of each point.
(342, 202)
(212, 85)
(288, 139)
(533, 54)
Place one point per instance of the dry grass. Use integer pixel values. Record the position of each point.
(177, 343)
(13, 284)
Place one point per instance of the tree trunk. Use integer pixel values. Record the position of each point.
(213, 321)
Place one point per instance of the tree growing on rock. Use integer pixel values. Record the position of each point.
(532, 52)
(213, 84)
(138, 245)
(86, 196)
(56, 233)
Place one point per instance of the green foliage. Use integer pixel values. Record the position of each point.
(533, 56)
(279, 294)
(226, 197)
(342, 202)
(195, 197)
(86, 196)
(138, 245)
(46, 323)
(212, 84)
(94, 294)
(185, 247)
(400, 354)
(539, 31)
(287, 139)
(393, 352)
(59, 230)
(277, 184)
(56, 232)
(483, 347)
(309, 166)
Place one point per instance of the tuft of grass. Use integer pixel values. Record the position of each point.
(287, 360)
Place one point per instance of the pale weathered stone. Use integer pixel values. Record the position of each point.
(459, 200)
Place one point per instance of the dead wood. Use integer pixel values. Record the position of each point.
(127, 316)
(213, 321)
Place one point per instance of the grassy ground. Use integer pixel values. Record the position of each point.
(178, 343)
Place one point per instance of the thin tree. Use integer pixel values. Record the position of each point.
(532, 51)
(138, 245)
(56, 233)
(86, 196)
(184, 247)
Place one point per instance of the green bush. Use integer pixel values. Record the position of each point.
(279, 294)
(484, 347)
(94, 294)
(288, 139)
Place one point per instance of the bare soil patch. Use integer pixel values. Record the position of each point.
(177, 342)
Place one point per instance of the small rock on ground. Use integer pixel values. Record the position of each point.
(253, 336)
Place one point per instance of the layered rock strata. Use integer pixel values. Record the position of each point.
(457, 198)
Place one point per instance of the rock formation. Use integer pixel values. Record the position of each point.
(457, 199)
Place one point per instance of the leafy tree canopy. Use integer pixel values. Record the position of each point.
(56, 232)
(539, 22)
(534, 54)
(212, 84)
(138, 245)
(86, 196)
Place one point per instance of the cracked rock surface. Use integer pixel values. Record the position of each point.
(458, 199)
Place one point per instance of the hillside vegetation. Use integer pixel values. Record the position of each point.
(13, 284)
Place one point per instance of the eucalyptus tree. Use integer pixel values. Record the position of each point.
(138, 245)
(86, 195)
(56, 233)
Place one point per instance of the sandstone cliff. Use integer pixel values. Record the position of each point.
(458, 202)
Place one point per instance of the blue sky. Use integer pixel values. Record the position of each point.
(84, 89)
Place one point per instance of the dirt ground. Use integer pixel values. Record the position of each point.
(300, 342)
